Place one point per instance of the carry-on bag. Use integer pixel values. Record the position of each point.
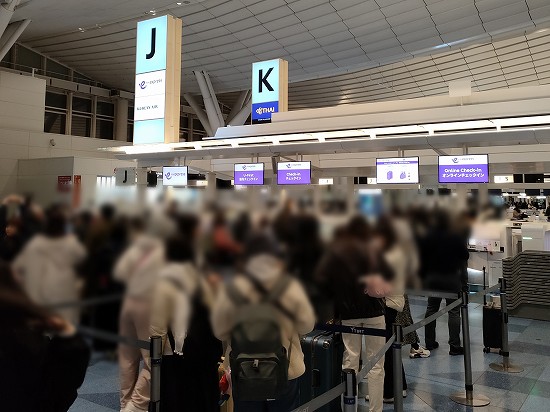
(323, 352)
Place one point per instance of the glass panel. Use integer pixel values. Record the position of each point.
(81, 126)
(27, 59)
(80, 78)
(105, 108)
(184, 122)
(82, 105)
(55, 122)
(130, 130)
(130, 112)
(57, 70)
(8, 58)
(104, 129)
(197, 125)
(56, 100)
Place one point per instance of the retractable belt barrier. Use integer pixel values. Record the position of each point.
(349, 376)
(112, 337)
(355, 330)
(395, 342)
(87, 302)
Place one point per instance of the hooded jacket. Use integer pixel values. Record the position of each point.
(266, 269)
(139, 266)
(177, 286)
(46, 268)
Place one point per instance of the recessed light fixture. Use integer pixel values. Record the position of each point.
(153, 12)
(80, 29)
(179, 3)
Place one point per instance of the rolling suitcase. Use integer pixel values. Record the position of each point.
(492, 324)
(323, 352)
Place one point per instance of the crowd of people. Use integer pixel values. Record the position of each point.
(241, 289)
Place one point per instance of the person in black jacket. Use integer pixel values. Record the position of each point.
(43, 358)
(340, 274)
(444, 258)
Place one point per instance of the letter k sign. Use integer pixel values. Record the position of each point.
(263, 80)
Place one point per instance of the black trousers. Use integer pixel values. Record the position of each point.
(390, 316)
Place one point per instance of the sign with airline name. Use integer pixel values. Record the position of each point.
(269, 89)
(158, 80)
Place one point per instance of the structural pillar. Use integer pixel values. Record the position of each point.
(350, 196)
(121, 120)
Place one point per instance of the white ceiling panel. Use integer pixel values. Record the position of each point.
(338, 42)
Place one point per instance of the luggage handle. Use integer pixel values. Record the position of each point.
(315, 378)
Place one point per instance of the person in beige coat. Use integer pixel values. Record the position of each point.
(137, 268)
(264, 262)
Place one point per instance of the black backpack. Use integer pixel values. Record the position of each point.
(258, 360)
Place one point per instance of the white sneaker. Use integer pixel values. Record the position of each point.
(404, 393)
(421, 352)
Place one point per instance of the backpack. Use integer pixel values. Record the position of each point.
(259, 362)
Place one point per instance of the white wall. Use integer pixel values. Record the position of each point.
(39, 178)
(90, 169)
(21, 145)
(22, 101)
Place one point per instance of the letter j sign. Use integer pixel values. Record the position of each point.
(269, 89)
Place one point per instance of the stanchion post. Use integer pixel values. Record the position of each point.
(505, 366)
(350, 390)
(155, 349)
(397, 368)
(468, 398)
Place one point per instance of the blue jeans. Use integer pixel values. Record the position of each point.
(288, 401)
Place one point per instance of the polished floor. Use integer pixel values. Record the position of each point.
(430, 380)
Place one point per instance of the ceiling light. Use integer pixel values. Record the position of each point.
(179, 3)
(522, 121)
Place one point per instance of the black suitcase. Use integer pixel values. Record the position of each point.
(323, 352)
(492, 324)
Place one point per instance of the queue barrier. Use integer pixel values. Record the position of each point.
(348, 387)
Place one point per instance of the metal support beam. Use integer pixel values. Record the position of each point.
(241, 100)
(7, 8)
(208, 102)
(440, 152)
(214, 98)
(199, 112)
(11, 34)
(242, 115)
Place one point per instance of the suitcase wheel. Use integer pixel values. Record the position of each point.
(486, 350)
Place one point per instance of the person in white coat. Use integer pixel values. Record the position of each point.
(137, 268)
(181, 316)
(46, 266)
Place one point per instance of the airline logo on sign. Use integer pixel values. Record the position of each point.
(267, 90)
(156, 99)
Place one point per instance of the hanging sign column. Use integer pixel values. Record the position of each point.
(269, 89)
(158, 80)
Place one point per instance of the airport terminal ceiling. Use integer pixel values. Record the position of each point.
(339, 51)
